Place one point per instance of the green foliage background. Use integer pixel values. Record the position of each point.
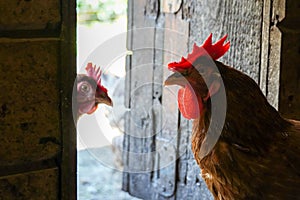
(91, 11)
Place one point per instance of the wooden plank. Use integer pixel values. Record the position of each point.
(125, 179)
(290, 75)
(225, 17)
(263, 81)
(139, 132)
(170, 6)
(158, 107)
(289, 103)
(175, 45)
(277, 15)
(274, 67)
(67, 70)
(166, 182)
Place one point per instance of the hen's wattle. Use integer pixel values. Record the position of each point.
(90, 92)
(189, 104)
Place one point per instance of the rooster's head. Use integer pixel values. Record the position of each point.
(198, 76)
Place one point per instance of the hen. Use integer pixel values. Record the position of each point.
(247, 150)
(90, 92)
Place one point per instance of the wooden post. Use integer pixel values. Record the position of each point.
(289, 102)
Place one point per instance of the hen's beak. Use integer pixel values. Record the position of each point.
(176, 79)
(105, 99)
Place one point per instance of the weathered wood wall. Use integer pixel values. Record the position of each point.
(289, 104)
(37, 72)
(158, 161)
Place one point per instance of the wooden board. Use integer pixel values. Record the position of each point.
(289, 103)
(139, 74)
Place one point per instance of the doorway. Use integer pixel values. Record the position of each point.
(101, 39)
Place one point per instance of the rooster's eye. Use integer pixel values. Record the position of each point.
(84, 88)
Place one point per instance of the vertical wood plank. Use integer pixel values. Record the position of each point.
(273, 13)
(138, 137)
(158, 107)
(125, 179)
(289, 103)
(277, 14)
(68, 169)
(175, 45)
(263, 80)
(274, 67)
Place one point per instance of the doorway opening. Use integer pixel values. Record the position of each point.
(101, 40)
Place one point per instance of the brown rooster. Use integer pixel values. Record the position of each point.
(253, 153)
(90, 92)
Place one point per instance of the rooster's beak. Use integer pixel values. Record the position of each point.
(176, 79)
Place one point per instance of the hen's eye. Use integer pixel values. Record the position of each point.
(84, 88)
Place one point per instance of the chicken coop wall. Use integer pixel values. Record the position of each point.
(261, 35)
(289, 104)
(37, 46)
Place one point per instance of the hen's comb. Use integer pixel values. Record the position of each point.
(215, 51)
(95, 73)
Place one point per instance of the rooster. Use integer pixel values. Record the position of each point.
(254, 152)
(90, 92)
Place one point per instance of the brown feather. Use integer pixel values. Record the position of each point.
(257, 154)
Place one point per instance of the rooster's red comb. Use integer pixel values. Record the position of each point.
(215, 51)
(95, 73)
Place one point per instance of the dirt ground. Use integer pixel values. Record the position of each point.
(97, 181)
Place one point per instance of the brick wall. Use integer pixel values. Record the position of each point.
(37, 148)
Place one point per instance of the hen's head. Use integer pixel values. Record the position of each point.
(198, 76)
(90, 92)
